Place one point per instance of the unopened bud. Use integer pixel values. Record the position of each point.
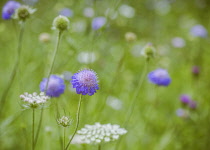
(149, 51)
(23, 12)
(61, 23)
(130, 36)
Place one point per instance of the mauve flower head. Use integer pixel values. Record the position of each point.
(85, 82)
(159, 77)
(9, 9)
(98, 22)
(178, 42)
(55, 86)
(66, 12)
(196, 70)
(185, 99)
(192, 104)
(182, 113)
(199, 31)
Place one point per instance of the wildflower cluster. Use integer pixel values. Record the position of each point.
(34, 100)
(187, 101)
(98, 133)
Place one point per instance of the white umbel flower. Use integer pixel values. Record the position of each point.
(34, 100)
(98, 133)
(64, 121)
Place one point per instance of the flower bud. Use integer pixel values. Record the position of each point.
(64, 121)
(61, 23)
(149, 51)
(130, 36)
(23, 12)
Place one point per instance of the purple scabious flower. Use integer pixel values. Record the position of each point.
(55, 86)
(159, 77)
(98, 22)
(185, 99)
(66, 12)
(85, 82)
(199, 31)
(9, 9)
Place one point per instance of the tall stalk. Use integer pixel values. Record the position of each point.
(14, 70)
(77, 123)
(48, 77)
(33, 120)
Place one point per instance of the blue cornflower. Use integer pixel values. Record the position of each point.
(85, 82)
(9, 9)
(199, 31)
(98, 22)
(159, 77)
(55, 86)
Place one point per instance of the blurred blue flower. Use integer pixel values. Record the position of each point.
(182, 113)
(185, 99)
(55, 86)
(9, 9)
(199, 31)
(66, 12)
(85, 82)
(178, 42)
(98, 22)
(159, 77)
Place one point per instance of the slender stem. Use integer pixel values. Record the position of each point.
(99, 147)
(64, 137)
(50, 71)
(134, 98)
(15, 69)
(33, 118)
(133, 102)
(77, 123)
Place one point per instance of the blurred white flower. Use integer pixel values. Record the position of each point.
(114, 102)
(64, 121)
(88, 12)
(86, 57)
(98, 133)
(79, 26)
(178, 42)
(34, 100)
(67, 75)
(127, 11)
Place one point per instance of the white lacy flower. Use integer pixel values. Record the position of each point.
(64, 121)
(34, 100)
(98, 133)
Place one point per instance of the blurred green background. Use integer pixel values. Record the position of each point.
(154, 124)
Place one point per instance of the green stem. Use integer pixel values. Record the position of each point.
(64, 137)
(77, 123)
(133, 102)
(15, 69)
(33, 118)
(99, 147)
(134, 98)
(50, 71)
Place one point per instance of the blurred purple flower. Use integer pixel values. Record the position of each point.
(192, 104)
(185, 99)
(178, 42)
(66, 12)
(98, 22)
(55, 86)
(199, 31)
(85, 82)
(159, 77)
(196, 70)
(9, 9)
